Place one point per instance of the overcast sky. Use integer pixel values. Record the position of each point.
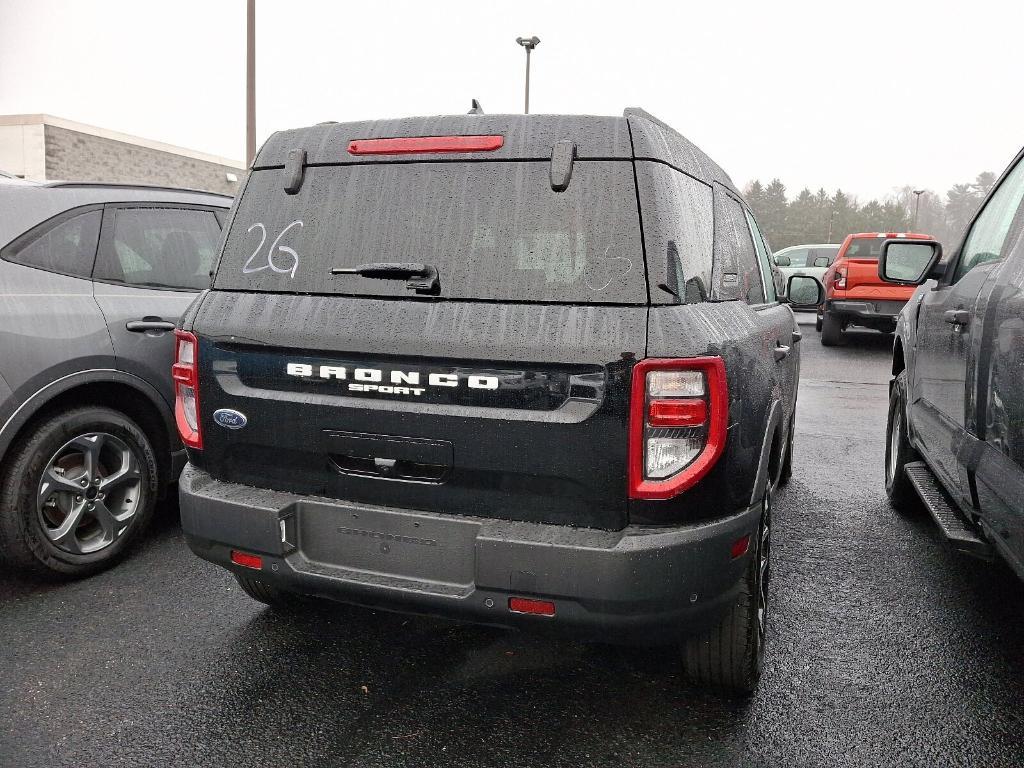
(865, 96)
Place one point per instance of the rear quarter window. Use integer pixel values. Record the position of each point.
(678, 213)
(66, 244)
(494, 230)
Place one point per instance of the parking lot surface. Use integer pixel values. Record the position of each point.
(884, 648)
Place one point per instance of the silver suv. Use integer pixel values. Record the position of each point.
(93, 279)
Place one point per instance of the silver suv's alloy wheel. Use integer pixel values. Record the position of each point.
(89, 493)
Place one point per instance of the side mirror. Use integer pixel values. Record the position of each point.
(909, 261)
(782, 261)
(804, 292)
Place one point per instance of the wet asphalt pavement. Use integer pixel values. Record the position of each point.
(884, 648)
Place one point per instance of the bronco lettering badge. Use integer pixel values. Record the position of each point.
(397, 383)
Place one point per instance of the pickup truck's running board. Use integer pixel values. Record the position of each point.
(961, 535)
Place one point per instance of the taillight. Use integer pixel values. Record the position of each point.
(679, 412)
(840, 279)
(185, 373)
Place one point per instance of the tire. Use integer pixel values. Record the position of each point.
(98, 473)
(832, 331)
(787, 462)
(817, 323)
(270, 595)
(730, 656)
(898, 450)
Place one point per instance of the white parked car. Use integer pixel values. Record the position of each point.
(814, 259)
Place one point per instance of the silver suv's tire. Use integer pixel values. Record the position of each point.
(76, 493)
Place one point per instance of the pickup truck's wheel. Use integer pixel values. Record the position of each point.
(730, 656)
(76, 493)
(831, 331)
(265, 593)
(898, 450)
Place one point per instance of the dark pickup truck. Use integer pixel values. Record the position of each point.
(528, 371)
(956, 411)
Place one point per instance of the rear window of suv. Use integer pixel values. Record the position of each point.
(494, 230)
(864, 248)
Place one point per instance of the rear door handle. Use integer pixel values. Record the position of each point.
(957, 316)
(780, 352)
(149, 324)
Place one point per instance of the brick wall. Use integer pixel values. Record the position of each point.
(74, 156)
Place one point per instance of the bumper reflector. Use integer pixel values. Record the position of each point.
(246, 560)
(740, 547)
(535, 607)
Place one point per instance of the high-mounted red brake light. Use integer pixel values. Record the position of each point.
(185, 374)
(679, 413)
(418, 145)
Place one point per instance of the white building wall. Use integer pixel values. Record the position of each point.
(23, 151)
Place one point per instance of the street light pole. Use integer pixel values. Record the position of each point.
(529, 43)
(250, 83)
(917, 205)
(831, 217)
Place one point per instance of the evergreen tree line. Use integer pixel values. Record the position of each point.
(820, 217)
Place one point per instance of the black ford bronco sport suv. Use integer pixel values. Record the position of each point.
(529, 371)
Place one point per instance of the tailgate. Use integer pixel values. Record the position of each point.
(863, 282)
(511, 411)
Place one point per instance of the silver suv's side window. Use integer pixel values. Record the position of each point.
(988, 234)
(159, 247)
(68, 248)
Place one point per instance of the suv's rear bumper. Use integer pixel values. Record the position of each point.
(636, 585)
(865, 312)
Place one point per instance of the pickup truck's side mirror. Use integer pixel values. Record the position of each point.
(782, 261)
(908, 261)
(804, 292)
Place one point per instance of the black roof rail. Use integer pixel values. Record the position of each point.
(115, 185)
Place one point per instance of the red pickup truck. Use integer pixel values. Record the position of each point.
(855, 295)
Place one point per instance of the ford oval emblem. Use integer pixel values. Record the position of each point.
(229, 418)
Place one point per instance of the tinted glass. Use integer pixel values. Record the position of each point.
(737, 272)
(493, 230)
(763, 259)
(797, 257)
(985, 242)
(68, 247)
(865, 248)
(822, 257)
(160, 247)
(678, 214)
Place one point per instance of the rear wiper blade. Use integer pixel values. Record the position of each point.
(423, 278)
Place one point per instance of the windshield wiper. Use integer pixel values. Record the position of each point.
(423, 278)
